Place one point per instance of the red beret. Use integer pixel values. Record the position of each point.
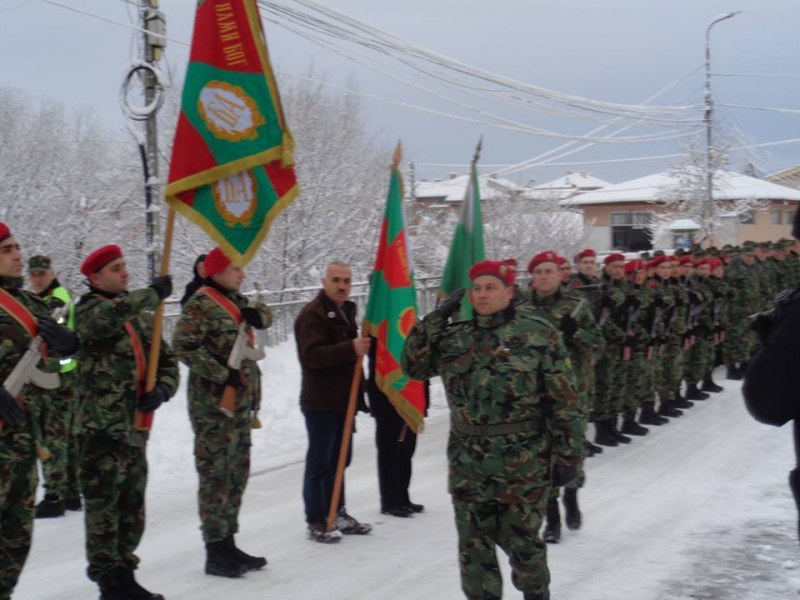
(584, 254)
(100, 258)
(715, 263)
(216, 262)
(543, 257)
(506, 270)
(658, 260)
(685, 259)
(560, 260)
(634, 265)
(701, 261)
(616, 257)
(4, 231)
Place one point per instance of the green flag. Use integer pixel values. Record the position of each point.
(392, 308)
(232, 169)
(467, 246)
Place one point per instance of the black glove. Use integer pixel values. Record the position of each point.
(695, 297)
(632, 301)
(10, 411)
(149, 401)
(568, 326)
(659, 301)
(162, 284)
(61, 340)
(451, 304)
(234, 379)
(607, 302)
(253, 317)
(562, 475)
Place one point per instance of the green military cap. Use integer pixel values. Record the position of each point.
(658, 253)
(748, 246)
(39, 264)
(680, 252)
(645, 255)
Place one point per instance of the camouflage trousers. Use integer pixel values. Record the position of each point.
(609, 384)
(700, 358)
(57, 421)
(113, 477)
(222, 459)
(514, 528)
(639, 386)
(671, 372)
(18, 480)
(739, 342)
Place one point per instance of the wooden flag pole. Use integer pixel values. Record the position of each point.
(355, 385)
(144, 420)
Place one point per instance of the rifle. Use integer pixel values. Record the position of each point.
(653, 329)
(241, 350)
(633, 313)
(26, 371)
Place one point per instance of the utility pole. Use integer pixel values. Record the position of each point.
(154, 42)
(708, 119)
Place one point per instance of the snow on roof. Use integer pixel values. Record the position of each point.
(572, 180)
(728, 186)
(683, 225)
(453, 190)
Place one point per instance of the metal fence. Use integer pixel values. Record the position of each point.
(286, 304)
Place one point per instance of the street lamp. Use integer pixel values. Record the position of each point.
(708, 119)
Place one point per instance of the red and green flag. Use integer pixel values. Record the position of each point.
(392, 308)
(467, 246)
(232, 169)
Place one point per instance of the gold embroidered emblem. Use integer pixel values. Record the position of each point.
(229, 112)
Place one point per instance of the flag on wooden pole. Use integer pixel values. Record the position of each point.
(467, 246)
(392, 307)
(232, 169)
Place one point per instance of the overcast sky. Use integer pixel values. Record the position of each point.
(620, 51)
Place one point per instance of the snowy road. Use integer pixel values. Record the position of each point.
(698, 509)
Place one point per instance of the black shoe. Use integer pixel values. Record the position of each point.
(221, 562)
(417, 508)
(398, 511)
(552, 528)
(253, 563)
(692, 393)
(572, 514)
(682, 403)
(631, 427)
(603, 435)
(622, 439)
(734, 374)
(591, 449)
(50, 507)
(794, 485)
(543, 595)
(710, 386)
(111, 586)
(666, 409)
(135, 591)
(650, 417)
(348, 524)
(73, 503)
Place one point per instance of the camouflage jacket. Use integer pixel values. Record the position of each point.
(109, 384)
(203, 339)
(510, 367)
(746, 292)
(14, 341)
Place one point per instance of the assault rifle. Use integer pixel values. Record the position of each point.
(653, 329)
(26, 371)
(633, 314)
(241, 350)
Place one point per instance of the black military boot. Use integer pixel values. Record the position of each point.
(552, 528)
(603, 435)
(543, 595)
(51, 506)
(221, 561)
(794, 485)
(692, 393)
(591, 449)
(618, 435)
(667, 409)
(572, 514)
(631, 427)
(253, 563)
(734, 374)
(709, 385)
(649, 416)
(132, 588)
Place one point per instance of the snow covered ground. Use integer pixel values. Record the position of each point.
(699, 509)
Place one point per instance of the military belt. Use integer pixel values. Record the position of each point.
(497, 429)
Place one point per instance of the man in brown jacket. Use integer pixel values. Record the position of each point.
(328, 347)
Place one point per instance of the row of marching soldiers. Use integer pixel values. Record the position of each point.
(638, 329)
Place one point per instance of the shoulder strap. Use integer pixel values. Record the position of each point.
(138, 354)
(19, 312)
(224, 303)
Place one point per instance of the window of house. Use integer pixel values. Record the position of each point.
(789, 217)
(776, 217)
(747, 218)
(630, 232)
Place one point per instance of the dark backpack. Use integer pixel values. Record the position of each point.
(770, 388)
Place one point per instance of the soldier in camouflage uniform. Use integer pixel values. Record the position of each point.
(516, 426)
(671, 353)
(60, 471)
(571, 312)
(204, 337)
(22, 316)
(116, 333)
(700, 361)
(740, 339)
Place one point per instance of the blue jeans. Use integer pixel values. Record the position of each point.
(325, 429)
